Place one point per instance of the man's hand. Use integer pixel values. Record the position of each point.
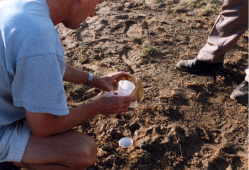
(112, 104)
(106, 83)
(109, 82)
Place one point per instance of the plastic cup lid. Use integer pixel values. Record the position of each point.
(125, 142)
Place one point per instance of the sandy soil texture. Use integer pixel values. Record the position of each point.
(185, 122)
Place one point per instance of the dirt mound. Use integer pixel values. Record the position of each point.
(185, 121)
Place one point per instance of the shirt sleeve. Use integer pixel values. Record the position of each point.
(38, 85)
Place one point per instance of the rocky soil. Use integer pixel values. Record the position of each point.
(185, 121)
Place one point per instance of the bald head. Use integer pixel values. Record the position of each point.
(71, 12)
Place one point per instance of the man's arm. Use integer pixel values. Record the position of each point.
(106, 83)
(46, 124)
(75, 76)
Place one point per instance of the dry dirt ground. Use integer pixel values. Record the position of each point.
(185, 121)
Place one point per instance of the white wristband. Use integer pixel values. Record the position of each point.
(90, 78)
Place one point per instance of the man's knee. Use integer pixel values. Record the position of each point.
(86, 152)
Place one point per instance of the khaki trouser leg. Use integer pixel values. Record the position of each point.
(231, 23)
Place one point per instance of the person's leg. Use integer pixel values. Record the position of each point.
(231, 23)
(247, 75)
(68, 151)
(240, 93)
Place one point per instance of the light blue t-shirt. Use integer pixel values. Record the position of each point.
(31, 61)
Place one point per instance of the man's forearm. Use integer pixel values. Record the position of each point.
(77, 116)
(75, 76)
(59, 124)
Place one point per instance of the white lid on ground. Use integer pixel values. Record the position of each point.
(125, 142)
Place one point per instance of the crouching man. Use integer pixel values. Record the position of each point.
(35, 122)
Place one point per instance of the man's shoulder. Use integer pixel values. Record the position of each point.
(25, 26)
(27, 17)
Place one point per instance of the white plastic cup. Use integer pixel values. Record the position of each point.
(125, 87)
